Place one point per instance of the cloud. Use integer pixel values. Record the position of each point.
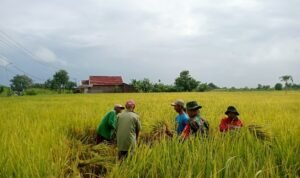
(218, 41)
(45, 55)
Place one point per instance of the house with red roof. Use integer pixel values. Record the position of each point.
(105, 84)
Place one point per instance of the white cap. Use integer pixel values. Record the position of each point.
(119, 106)
(178, 102)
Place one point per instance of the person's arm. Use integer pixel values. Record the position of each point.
(241, 123)
(206, 124)
(102, 120)
(236, 124)
(186, 131)
(137, 128)
(117, 120)
(112, 120)
(176, 124)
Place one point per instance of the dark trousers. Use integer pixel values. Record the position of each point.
(122, 155)
(100, 139)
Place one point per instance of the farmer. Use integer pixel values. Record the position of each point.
(106, 128)
(128, 127)
(232, 122)
(182, 118)
(196, 124)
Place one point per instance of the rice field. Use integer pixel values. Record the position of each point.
(53, 136)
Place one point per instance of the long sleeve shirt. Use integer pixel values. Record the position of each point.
(229, 124)
(107, 125)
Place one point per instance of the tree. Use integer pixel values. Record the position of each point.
(161, 87)
(135, 83)
(296, 86)
(263, 87)
(287, 79)
(278, 86)
(213, 86)
(185, 82)
(146, 85)
(259, 86)
(49, 84)
(70, 85)
(38, 85)
(266, 87)
(60, 80)
(142, 85)
(203, 87)
(19, 83)
(1, 89)
(158, 87)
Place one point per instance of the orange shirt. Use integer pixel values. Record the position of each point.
(228, 124)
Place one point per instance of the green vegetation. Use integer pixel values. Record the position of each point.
(186, 83)
(52, 136)
(23, 85)
(60, 82)
(20, 83)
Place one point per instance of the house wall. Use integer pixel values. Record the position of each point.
(105, 89)
(128, 88)
(124, 88)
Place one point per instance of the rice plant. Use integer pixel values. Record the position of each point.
(53, 136)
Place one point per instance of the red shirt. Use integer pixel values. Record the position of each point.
(186, 131)
(228, 124)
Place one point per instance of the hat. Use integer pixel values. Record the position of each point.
(231, 109)
(119, 106)
(178, 102)
(129, 103)
(192, 105)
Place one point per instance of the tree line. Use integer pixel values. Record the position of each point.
(21, 84)
(288, 84)
(183, 83)
(186, 83)
(60, 83)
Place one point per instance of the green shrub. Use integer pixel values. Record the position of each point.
(30, 92)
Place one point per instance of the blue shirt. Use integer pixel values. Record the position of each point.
(181, 121)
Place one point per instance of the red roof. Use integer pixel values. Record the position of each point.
(106, 80)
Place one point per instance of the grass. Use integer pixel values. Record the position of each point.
(52, 136)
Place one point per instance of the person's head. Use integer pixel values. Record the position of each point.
(193, 109)
(130, 105)
(178, 106)
(118, 108)
(232, 112)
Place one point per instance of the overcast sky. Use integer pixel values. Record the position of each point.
(228, 42)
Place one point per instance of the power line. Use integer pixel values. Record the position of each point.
(32, 76)
(4, 44)
(9, 42)
(19, 69)
(6, 73)
(33, 57)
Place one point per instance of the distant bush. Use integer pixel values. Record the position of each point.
(10, 93)
(30, 92)
(278, 86)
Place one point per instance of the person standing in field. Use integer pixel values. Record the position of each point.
(232, 122)
(106, 128)
(182, 118)
(128, 127)
(196, 124)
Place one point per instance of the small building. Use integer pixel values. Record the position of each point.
(105, 84)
